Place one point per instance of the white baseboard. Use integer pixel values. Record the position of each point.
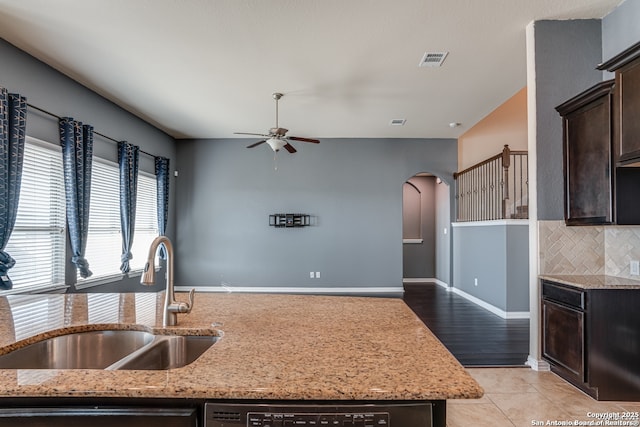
(490, 223)
(495, 310)
(537, 365)
(441, 283)
(425, 280)
(417, 280)
(294, 290)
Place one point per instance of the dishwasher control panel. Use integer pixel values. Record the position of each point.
(301, 419)
(325, 414)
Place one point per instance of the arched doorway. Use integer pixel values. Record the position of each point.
(426, 221)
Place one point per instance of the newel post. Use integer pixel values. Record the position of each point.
(506, 163)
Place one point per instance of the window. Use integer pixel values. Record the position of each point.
(146, 220)
(104, 243)
(38, 239)
(103, 308)
(29, 311)
(146, 307)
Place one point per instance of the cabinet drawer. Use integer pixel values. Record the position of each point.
(564, 295)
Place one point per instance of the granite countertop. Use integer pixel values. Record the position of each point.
(593, 281)
(271, 347)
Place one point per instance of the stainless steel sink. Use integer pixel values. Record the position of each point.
(110, 350)
(167, 352)
(84, 350)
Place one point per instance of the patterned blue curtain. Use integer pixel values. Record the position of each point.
(162, 185)
(76, 140)
(128, 155)
(13, 120)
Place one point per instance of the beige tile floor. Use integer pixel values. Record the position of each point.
(518, 397)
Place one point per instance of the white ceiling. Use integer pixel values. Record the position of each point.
(207, 68)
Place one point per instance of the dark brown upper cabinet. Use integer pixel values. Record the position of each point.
(588, 156)
(626, 66)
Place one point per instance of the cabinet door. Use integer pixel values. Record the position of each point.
(628, 81)
(563, 342)
(588, 156)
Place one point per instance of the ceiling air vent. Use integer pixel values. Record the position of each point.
(398, 122)
(433, 59)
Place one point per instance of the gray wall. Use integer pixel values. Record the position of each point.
(443, 232)
(517, 266)
(498, 256)
(419, 258)
(620, 29)
(566, 53)
(46, 88)
(352, 188)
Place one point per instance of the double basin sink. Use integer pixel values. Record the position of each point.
(110, 350)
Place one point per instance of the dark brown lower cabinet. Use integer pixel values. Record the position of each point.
(591, 338)
(564, 338)
(615, 343)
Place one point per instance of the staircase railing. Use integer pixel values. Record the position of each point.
(497, 188)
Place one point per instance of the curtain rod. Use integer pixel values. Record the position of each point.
(97, 133)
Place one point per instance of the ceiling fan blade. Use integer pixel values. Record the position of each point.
(247, 133)
(297, 138)
(290, 148)
(257, 143)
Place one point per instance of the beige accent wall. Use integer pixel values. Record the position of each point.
(507, 124)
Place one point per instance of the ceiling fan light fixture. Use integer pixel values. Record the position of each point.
(276, 143)
(276, 138)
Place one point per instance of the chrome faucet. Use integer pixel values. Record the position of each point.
(171, 306)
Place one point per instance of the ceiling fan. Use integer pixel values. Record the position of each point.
(276, 138)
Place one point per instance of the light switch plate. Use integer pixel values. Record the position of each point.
(634, 268)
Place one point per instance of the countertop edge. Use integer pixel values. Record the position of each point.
(594, 281)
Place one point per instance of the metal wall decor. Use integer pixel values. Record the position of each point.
(289, 220)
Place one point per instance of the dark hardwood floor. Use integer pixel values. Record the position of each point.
(475, 336)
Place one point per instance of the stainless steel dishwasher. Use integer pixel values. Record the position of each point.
(326, 414)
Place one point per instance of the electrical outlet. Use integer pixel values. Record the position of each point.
(317, 274)
(311, 275)
(475, 281)
(634, 267)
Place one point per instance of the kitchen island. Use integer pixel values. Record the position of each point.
(271, 348)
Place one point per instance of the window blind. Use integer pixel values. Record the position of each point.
(103, 308)
(38, 239)
(146, 306)
(34, 314)
(104, 243)
(146, 220)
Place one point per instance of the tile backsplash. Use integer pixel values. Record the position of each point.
(587, 249)
(570, 250)
(621, 245)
